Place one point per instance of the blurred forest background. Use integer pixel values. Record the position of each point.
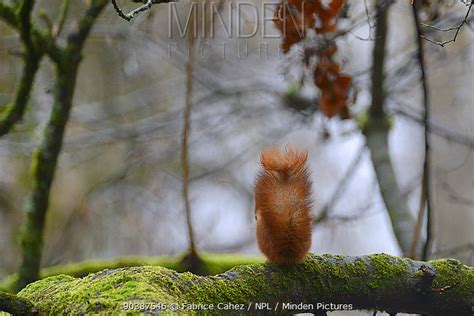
(117, 190)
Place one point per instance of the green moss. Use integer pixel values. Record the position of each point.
(106, 290)
(455, 277)
(113, 290)
(156, 284)
(393, 269)
(390, 281)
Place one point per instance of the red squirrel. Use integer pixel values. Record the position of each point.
(282, 205)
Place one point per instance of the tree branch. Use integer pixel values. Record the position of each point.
(24, 22)
(7, 14)
(192, 260)
(61, 18)
(45, 158)
(13, 113)
(35, 44)
(379, 281)
(147, 4)
(77, 38)
(32, 56)
(425, 192)
(457, 28)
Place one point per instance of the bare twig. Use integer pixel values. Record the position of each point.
(144, 7)
(457, 28)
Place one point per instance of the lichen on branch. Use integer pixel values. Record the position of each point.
(379, 281)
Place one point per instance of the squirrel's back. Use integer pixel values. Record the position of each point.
(282, 205)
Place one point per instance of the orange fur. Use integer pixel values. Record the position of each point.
(282, 205)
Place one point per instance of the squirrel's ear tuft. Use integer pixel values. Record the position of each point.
(292, 159)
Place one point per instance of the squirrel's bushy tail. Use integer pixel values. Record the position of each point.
(290, 161)
(282, 205)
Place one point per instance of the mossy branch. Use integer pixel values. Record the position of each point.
(20, 20)
(380, 282)
(7, 14)
(35, 44)
(15, 305)
(24, 21)
(13, 112)
(46, 156)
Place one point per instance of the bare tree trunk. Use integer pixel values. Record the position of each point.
(377, 132)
